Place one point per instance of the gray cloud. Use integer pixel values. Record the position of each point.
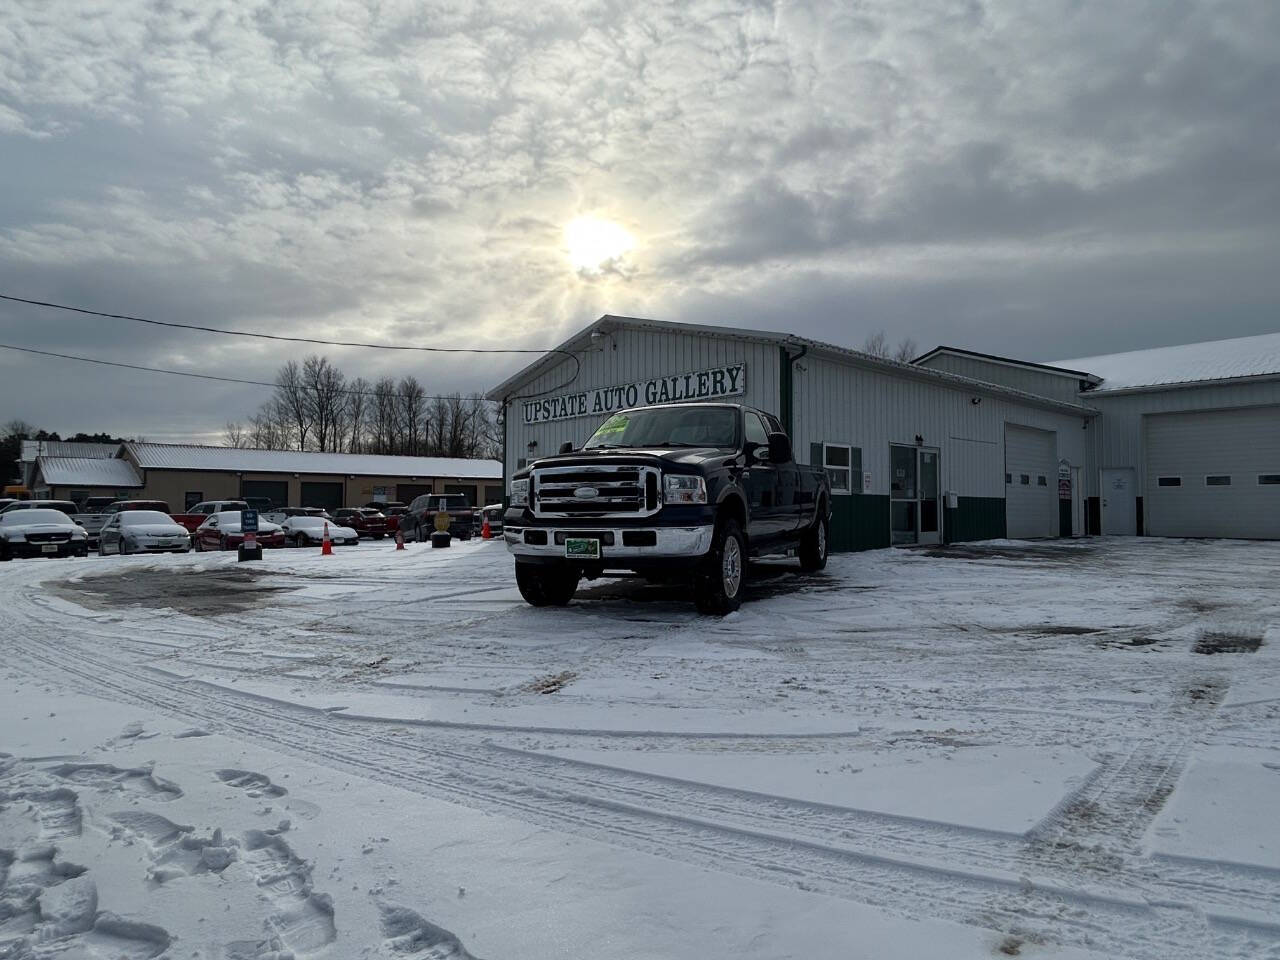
(1041, 179)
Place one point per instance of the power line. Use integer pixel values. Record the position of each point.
(185, 373)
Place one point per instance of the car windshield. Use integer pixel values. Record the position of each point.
(668, 427)
(228, 517)
(134, 518)
(297, 522)
(35, 516)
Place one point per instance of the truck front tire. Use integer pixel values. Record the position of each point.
(815, 544)
(546, 585)
(718, 588)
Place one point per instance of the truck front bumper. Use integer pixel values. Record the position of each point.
(619, 546)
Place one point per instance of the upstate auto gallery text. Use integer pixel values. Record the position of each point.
(725, 381)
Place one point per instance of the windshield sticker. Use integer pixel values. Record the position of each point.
(612, 426)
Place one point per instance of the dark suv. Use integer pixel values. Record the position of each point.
(420, 520)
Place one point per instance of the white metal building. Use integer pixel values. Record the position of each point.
(916, 455)
(1187, 438)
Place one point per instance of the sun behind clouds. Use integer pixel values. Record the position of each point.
(595, 245)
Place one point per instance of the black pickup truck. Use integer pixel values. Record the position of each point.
(689, 490)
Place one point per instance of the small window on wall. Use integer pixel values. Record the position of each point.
(842, 463)
(1168, 481)
(1041, 481)
(1024, 479)
(1269, 478)
(1218, 480)
(1008, 478)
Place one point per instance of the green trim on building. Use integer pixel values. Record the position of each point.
(786, 393)
(975, 518)
(859, 521)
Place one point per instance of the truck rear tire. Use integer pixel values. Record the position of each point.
(546, 585)
(718, 587)
(814, 545)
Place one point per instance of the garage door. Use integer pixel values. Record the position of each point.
(277, 491)
(325, 495)
(1214, 474)
(406, 492)
(1030, 482)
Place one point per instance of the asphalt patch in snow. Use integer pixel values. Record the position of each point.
(199, 593)
(1038, 553)
(1225, 641)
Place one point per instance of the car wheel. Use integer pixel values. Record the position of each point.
(300, 540)
(378, 536)
(222, 543)
(122, 549)
(546, 585)
(718, 589)
(5, 552)
(417, 532)
(815, 543)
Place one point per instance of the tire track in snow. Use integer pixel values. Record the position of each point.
(730, 833)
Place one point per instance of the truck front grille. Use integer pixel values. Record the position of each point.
(604, 491)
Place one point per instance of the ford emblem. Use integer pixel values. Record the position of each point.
(586, 493)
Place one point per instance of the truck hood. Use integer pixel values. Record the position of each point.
(648, 456)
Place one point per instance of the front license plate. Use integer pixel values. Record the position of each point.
(49, 548)
(582, 548)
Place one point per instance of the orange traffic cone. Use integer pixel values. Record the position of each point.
(399, 539)
(326, 545)
(485, 532)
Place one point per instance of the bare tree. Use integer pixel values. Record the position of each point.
(233, 435)
(906, 351)
(385, 433)
(412, 409)
(876, 344)
(324, 386)
(292, 397)
(355, 413)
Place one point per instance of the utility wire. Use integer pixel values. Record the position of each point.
(185, 373)
(280, 337)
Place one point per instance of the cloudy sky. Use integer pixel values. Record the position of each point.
(1046, 180)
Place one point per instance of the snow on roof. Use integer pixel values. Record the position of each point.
(87, 472)
(171, 456)
(31, 449)
(1187, 363)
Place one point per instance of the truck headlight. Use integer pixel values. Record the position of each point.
(519, 492)
(684, 489)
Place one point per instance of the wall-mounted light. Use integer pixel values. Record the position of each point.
(975, 400)
(919, 440)
(532, 445)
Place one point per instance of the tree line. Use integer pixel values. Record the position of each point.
(315, 406)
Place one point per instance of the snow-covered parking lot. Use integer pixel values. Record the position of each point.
(1064, 749)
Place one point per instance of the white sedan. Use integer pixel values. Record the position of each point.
(142, 531)
(309, 532)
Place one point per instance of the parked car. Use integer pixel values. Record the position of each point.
(309, 532)
(221, 531)
(142, 531)
(65, 506)
(393, 511)
(261, 504)
(40, 532)
(281, 514)
(5, 501)
(692, 488)
(118, 506)
(201, 512)
(98, 504)
(95, 521)
(420, 520)
(366, 521)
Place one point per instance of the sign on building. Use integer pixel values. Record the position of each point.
(727, 381)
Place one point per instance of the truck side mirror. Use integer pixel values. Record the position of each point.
(566, 447)
(779, 448)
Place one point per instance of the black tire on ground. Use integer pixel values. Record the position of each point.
(378, 536)
(222, 543)
(5, 553)
(300, 540)
(717, 589)
(417, 532)
(816, 542)
(549, 585)
(120, 548)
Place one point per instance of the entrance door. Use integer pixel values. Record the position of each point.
(1077, 504)
(1119, 511)
(915, 508)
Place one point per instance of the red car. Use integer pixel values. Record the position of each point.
(393, 512)
(365, 521)
(221, 531)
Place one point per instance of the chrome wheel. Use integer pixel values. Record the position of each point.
(822, 541)
(731, 567)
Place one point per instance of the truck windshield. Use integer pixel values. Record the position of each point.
(668, 427)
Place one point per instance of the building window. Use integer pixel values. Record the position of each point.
(191, 498)
(1169, 482)
(1217, 480)
(1264, 478)
(1041, 481)
(1024, 479)
(842, 463)
(1008, 478)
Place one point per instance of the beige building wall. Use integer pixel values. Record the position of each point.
(172, 486)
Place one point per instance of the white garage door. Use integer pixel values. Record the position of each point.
(1031, 482)
(1214, 474)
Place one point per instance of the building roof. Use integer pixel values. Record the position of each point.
(1008, 361)
(1188, 363)
(583, 337)
(31, 449)
(87, 472)
(172, 456)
